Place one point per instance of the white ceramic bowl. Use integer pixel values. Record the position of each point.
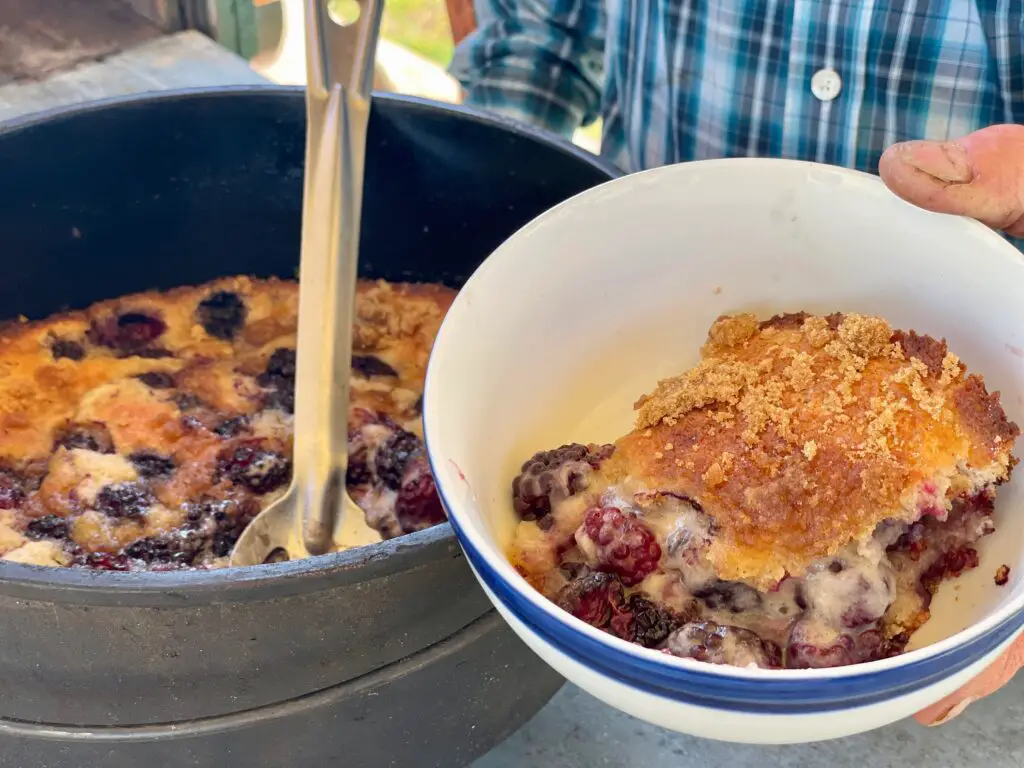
(554, 337)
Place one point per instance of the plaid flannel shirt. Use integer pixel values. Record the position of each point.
(836, 81)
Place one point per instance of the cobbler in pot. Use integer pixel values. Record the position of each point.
(793, 501)
(147, 432)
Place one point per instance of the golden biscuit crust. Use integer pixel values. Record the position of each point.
(800, 434)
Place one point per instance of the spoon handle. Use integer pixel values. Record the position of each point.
(339, 61)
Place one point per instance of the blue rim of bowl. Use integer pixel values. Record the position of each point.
(693, 686)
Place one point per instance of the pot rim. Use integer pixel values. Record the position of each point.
(415, 103)
(170, 588)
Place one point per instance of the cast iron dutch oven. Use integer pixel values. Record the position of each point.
(383, 656)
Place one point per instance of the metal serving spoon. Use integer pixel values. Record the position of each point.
(311, 516)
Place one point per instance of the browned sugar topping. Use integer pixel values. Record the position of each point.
(757, 389)
(765, 391)
(376, 319)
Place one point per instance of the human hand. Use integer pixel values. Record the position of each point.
(981, 176)
(989, 681)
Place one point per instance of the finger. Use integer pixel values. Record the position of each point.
(992, 679)
(981, 176)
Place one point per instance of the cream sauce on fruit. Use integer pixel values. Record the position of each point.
(844, 609)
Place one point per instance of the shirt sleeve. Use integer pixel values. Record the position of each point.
(540, 61)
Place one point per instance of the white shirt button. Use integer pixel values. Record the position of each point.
(826, 84)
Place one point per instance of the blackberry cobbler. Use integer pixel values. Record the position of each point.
(148, 431)
(792, 501)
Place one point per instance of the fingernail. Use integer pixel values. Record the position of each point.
(954, 711)
(945, 161)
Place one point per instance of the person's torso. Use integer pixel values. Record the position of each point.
(835, 81)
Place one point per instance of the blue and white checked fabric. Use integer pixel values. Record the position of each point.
(678, 80)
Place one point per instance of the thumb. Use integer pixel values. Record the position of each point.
(989, 681)
(981, 176)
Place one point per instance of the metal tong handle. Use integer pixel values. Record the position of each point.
(339, 62)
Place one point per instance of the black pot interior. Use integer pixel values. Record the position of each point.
(161, 191)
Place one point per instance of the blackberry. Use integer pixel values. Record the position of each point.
(723, 644)
(371, 365)
(125, 500)
(281, 399)
(91, 436)
(152, 465)
(128, 332)
(593, 597)
(12, 490)
(280, 366)
(358, 471)
(621, 543)
(729, 596)
(232, 427)
(230, 520)
(252, 466)
(180, 550)
(418, 505)
(186, 401)
(102, 561)
(393, 455)
(72, 350)
(222, 314)
(805, 649)
(554, 474)
(156, 379)
(949, 565)
(279, 379)
(48, 527)
(644, 622)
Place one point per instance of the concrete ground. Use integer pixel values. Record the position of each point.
(577, 731)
